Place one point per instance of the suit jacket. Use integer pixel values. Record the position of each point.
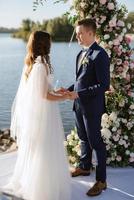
(92, 80)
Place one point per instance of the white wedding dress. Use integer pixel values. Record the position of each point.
(42, 170)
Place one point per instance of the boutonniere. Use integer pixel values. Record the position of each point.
(94, 54)
(85, 61)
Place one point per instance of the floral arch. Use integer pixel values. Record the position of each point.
(118, 122)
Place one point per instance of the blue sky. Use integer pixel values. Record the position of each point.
(13, 11)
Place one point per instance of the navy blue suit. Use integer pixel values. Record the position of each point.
(92, 80)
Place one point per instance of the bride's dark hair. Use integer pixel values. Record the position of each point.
(39, 44)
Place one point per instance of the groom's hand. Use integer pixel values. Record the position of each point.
(61, 91)
(73, 95)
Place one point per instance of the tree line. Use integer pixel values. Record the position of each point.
(7, 30)
(59, 28)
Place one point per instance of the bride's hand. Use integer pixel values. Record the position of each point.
(73, 95)
(61, 91)
(70, 95)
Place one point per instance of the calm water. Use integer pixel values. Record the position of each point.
(12, 53)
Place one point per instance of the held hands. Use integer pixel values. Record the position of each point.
(66, 94)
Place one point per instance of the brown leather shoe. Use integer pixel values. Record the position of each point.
(97, 188)
(79, 172)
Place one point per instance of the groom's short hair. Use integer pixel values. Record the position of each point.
(88, 23)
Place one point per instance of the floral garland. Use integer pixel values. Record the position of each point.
(118, 122)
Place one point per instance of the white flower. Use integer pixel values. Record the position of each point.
(124, 120)
(127, 152)
(129, 125)
(125, 137)
(124, 30)
(83, 5)
(122, 102)
(129, 25)
(69, 137)
(120, 37)
(113, 158)
(132, 107)
(110, 43)
(113, 116)
(114, 129)
(117, 124)
(106, 37)
(76, 137)
(108, 160)
(73, 132)
(126, 145)
(108, 52)
(103, 18)
(111, 67)
(120, 23)
(79, 153)
(105, 122)
(132, 154)
(65, 143)
(106, 133)
(116, 138)
(110, 6)
(108, 147)
(105, 117)
(71, 143)
(76, 148)
(121, 142)
(73, 159)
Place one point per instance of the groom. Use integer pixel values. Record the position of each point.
(92, 80)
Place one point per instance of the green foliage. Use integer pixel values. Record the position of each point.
(130, 19)
(59, 28)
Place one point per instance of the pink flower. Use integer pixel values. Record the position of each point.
(112, 23)
(131, 159)
(126, 63)
(118, 158)
(102, 2)
(128, 77)
(119, 61)
(120, 69)
(120, 23)
(116, 42)
(129, 93)
(128, 39)
(117, 50)
(132, 65)
(110, 6)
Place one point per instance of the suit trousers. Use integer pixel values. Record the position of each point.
(89, 131)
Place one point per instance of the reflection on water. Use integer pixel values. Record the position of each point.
(12, 53)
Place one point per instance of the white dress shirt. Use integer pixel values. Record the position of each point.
(82, 55)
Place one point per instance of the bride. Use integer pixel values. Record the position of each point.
(41, 171)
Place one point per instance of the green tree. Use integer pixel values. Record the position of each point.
(130, 19)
